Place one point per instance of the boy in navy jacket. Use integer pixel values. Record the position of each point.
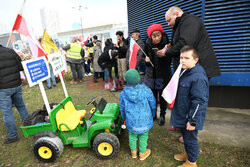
(191, 101)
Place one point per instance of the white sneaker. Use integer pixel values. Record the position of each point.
(89, 74)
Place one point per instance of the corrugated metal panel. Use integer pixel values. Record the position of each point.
(160, 8)
(227, 23)
(140, 15)
(143, 13)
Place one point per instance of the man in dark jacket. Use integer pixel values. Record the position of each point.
(189, 30)
(121, 47)
(140, 62)
(11, 91)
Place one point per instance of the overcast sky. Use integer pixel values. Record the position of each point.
(93, 12)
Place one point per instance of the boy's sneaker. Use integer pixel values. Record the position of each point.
(145, 154)
(134, 154)
(11, 140)
(181, 157)
(188, 164)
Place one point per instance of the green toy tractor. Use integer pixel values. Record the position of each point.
(68, 126)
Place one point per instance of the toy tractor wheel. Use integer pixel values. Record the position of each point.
(106, 145)
(48, 149)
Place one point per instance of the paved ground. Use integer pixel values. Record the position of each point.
(226, 126)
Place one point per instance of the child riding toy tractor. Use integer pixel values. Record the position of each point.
(68, 126)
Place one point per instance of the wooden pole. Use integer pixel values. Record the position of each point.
(9, 39)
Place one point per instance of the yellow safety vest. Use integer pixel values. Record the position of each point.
(91, 49)
(75, 51)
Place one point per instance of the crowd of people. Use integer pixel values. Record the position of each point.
(142, 86)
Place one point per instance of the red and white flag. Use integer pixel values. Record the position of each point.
(21, 27)
(170, 91)
(134, 48)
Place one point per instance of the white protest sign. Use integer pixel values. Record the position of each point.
(58, 65)
(57, 62)
(36, 70)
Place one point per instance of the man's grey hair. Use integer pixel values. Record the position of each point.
(174, 9)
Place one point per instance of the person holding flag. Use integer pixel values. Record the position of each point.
(190, 104)
(135, 58)
(158, 71)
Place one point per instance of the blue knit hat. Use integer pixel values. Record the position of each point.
(132, 77)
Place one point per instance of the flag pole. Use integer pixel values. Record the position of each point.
(21, 10)
(145, 54)
(9, 39)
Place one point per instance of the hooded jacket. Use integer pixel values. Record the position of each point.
(138, 108)
(191, 99)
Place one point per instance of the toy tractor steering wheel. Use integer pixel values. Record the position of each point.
(93, 110)
(92, 101)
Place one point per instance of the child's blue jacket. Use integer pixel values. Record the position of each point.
(138, 108)
(191, 99)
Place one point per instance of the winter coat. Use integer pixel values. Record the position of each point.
(140, 56)
(97, 51)
(105, 60)
(189, 30)
(10, 67)
(191, 99)
(122, 50)
(138, 108)
(157, 77)
(108, 46)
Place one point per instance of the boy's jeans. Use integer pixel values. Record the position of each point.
(52, 77)
(7, 96)
(191, 144)
(143, 141)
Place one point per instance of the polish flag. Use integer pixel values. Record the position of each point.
(170, 91)
(35, 46)
(134, 47)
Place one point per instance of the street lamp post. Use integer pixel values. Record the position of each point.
(81, 18)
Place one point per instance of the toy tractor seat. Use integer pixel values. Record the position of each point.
(68, 118)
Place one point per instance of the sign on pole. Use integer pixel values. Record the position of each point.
(58, 65)
(56, 62)
(36, 70)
